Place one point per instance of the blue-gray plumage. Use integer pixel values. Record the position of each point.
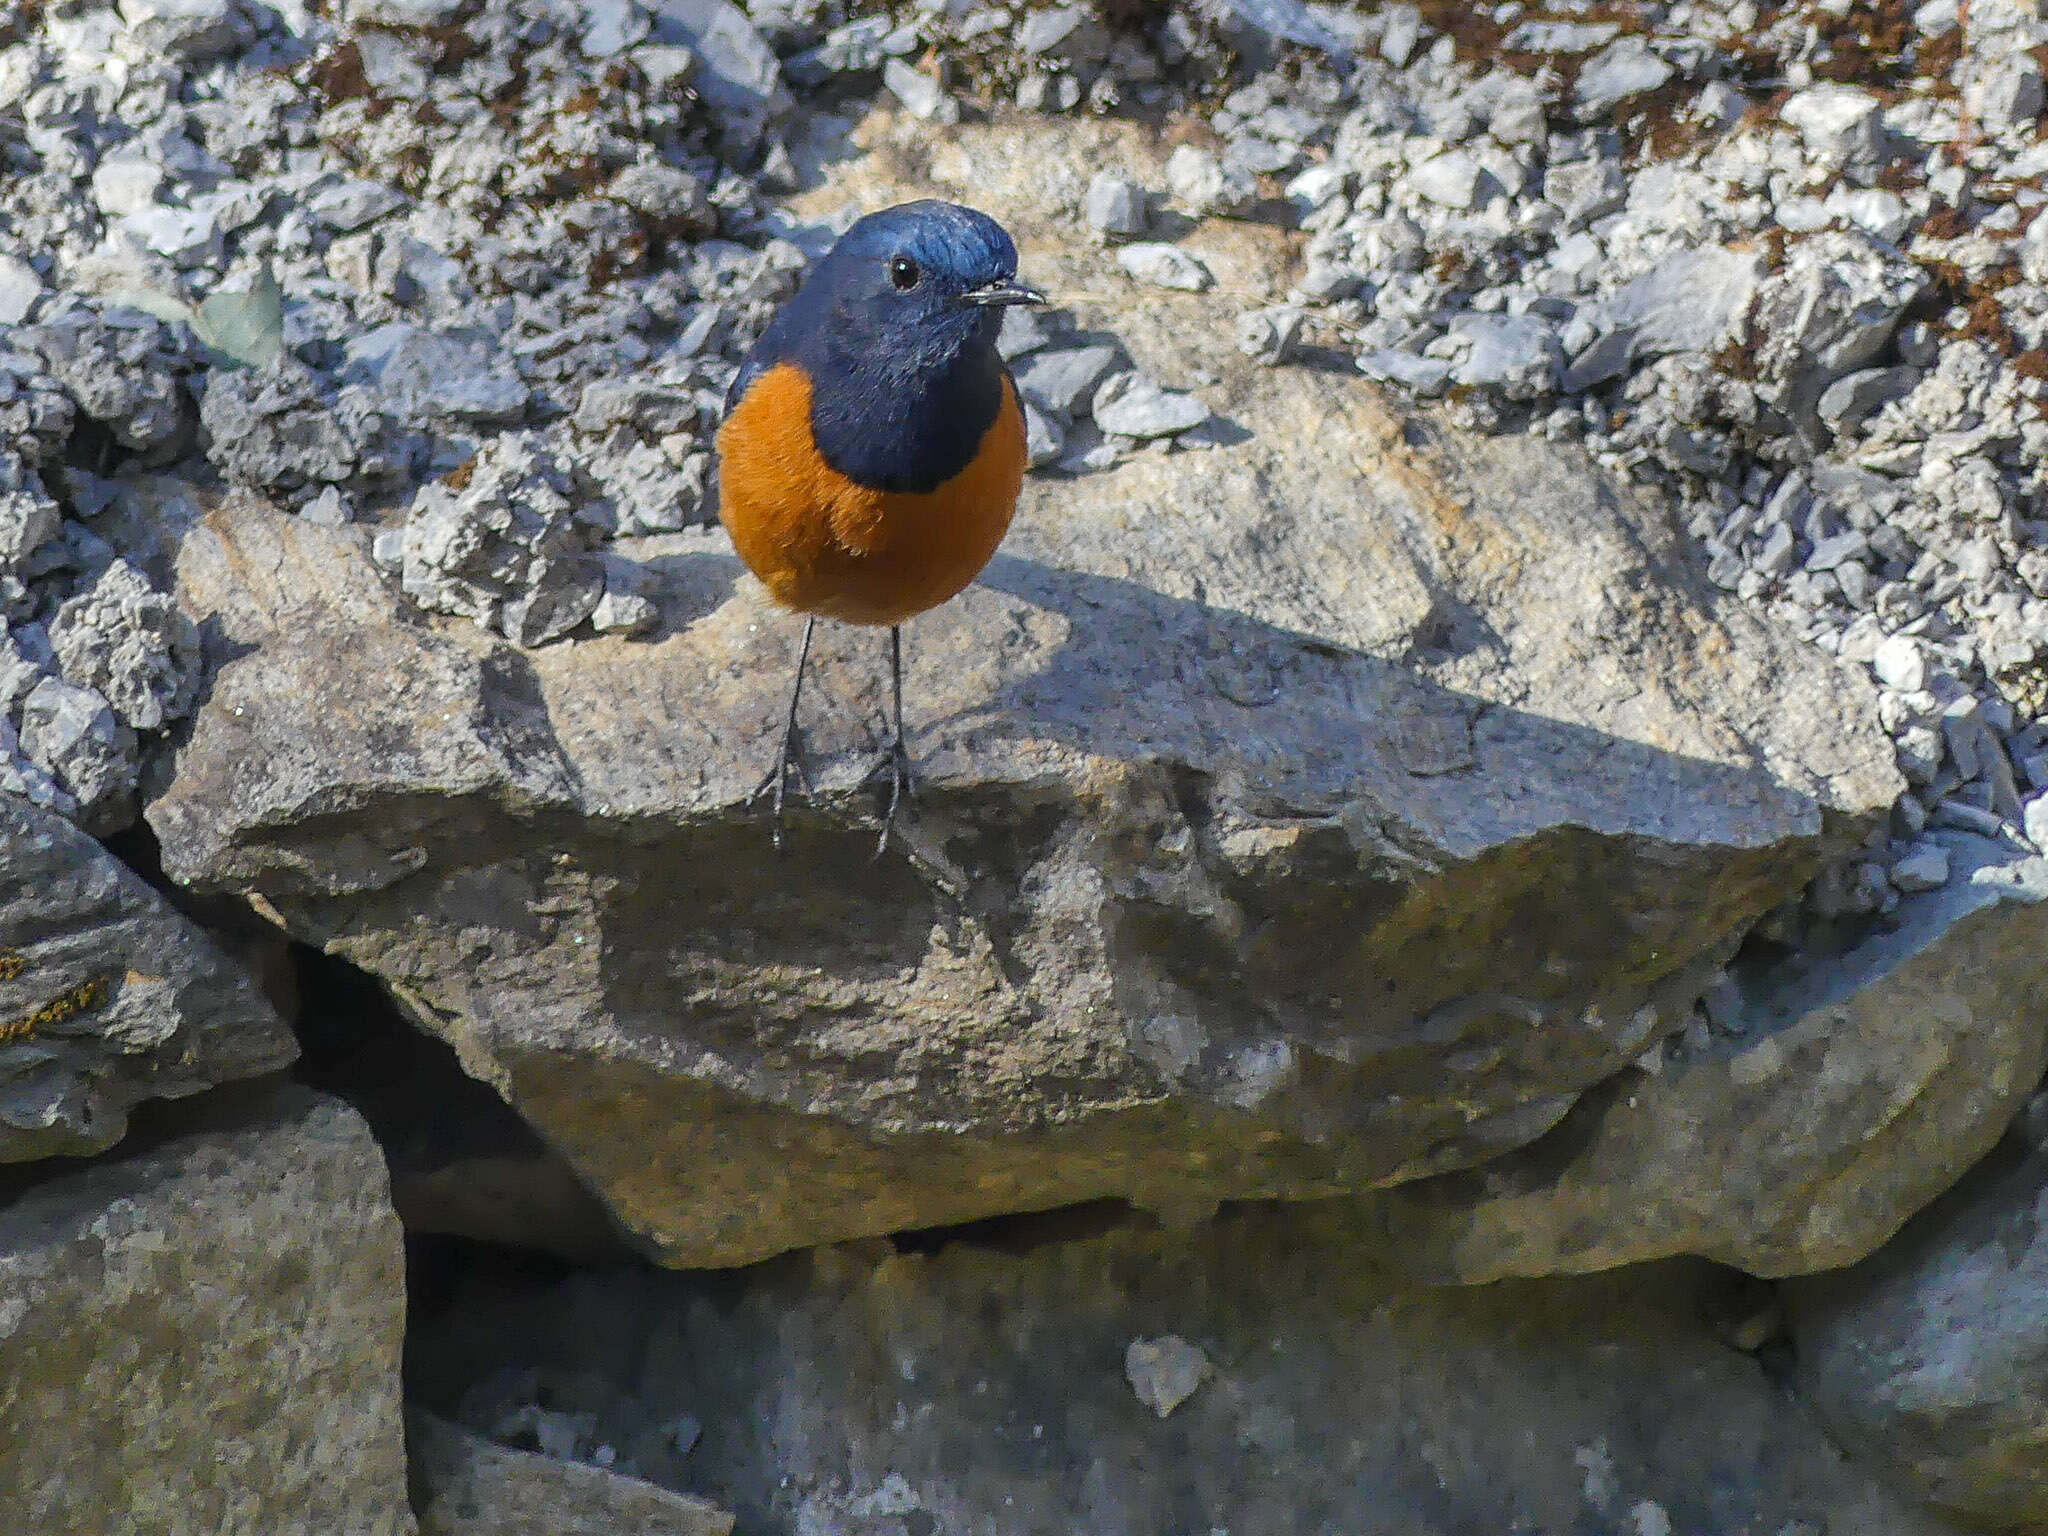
(896, 331)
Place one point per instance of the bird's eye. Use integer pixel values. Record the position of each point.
(903, 272)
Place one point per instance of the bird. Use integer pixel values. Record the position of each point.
(872, 447)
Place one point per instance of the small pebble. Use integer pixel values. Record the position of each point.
(1165, 1372)
(1924, 869)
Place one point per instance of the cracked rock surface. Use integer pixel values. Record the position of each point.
(1830, 1101)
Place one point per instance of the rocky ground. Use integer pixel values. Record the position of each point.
(1509, 740)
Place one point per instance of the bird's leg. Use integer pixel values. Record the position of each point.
(791, 757)
(896, 759)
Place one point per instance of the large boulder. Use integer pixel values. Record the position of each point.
(1337, 820)
(1324, 809)
(1854, 1089)
(1931, 1357)
(203, 1339)
(108, 996)
(1044, 1378)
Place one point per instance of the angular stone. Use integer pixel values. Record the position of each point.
(108, 996)
(351, 204)
(1044, 440)
(1851, 1097)
(1585, 189)
(1686, 303)
(21, 289)
(1624, 69)
(922, 95)
(1165, 1373)
(505, 547)
(1829, 310)
(29, 518)
(1270, 335)
(123, 637)
(457, 376)
(191, 31)
(1301, 838)
(2009, 95)
(736, 72)
(980, 1386)
(1835, 120)
(1451, 179)
(1515, 354)
(1115, 205)
(1423, 375)
(208, 1333)
(1205, 185)
(471, 1487)
(1164, 266)
(72, 733)
(1929, 1360)
(1131, 405)
(1062, 381)
(1844, 404)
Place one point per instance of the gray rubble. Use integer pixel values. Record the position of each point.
(506, 542)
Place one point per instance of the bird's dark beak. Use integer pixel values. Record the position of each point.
(1004, 291)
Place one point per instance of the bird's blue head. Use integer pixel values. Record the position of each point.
(919, 283)
(896, 332)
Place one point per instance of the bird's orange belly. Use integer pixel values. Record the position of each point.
(823, 544)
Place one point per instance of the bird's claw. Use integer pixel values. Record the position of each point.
(895, 767)
(790, 760)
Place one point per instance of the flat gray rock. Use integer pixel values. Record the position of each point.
(108, 996)
(206, 1335)
(1298, 817)
(1851, 1097)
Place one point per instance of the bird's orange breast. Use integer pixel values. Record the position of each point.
(823, 544)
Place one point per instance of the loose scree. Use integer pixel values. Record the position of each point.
(873, 446)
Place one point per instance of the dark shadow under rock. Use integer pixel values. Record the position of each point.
(1235, 1376)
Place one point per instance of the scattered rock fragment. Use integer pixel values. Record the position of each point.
(126, 639)
(1115, 205)
(1205, 185)
(1164, 266)
(1165, 1372)
(1132, 405)
(505, 543)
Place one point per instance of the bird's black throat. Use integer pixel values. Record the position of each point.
(907, 428)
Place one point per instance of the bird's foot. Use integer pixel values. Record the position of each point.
(788, 761)
(893, 766)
